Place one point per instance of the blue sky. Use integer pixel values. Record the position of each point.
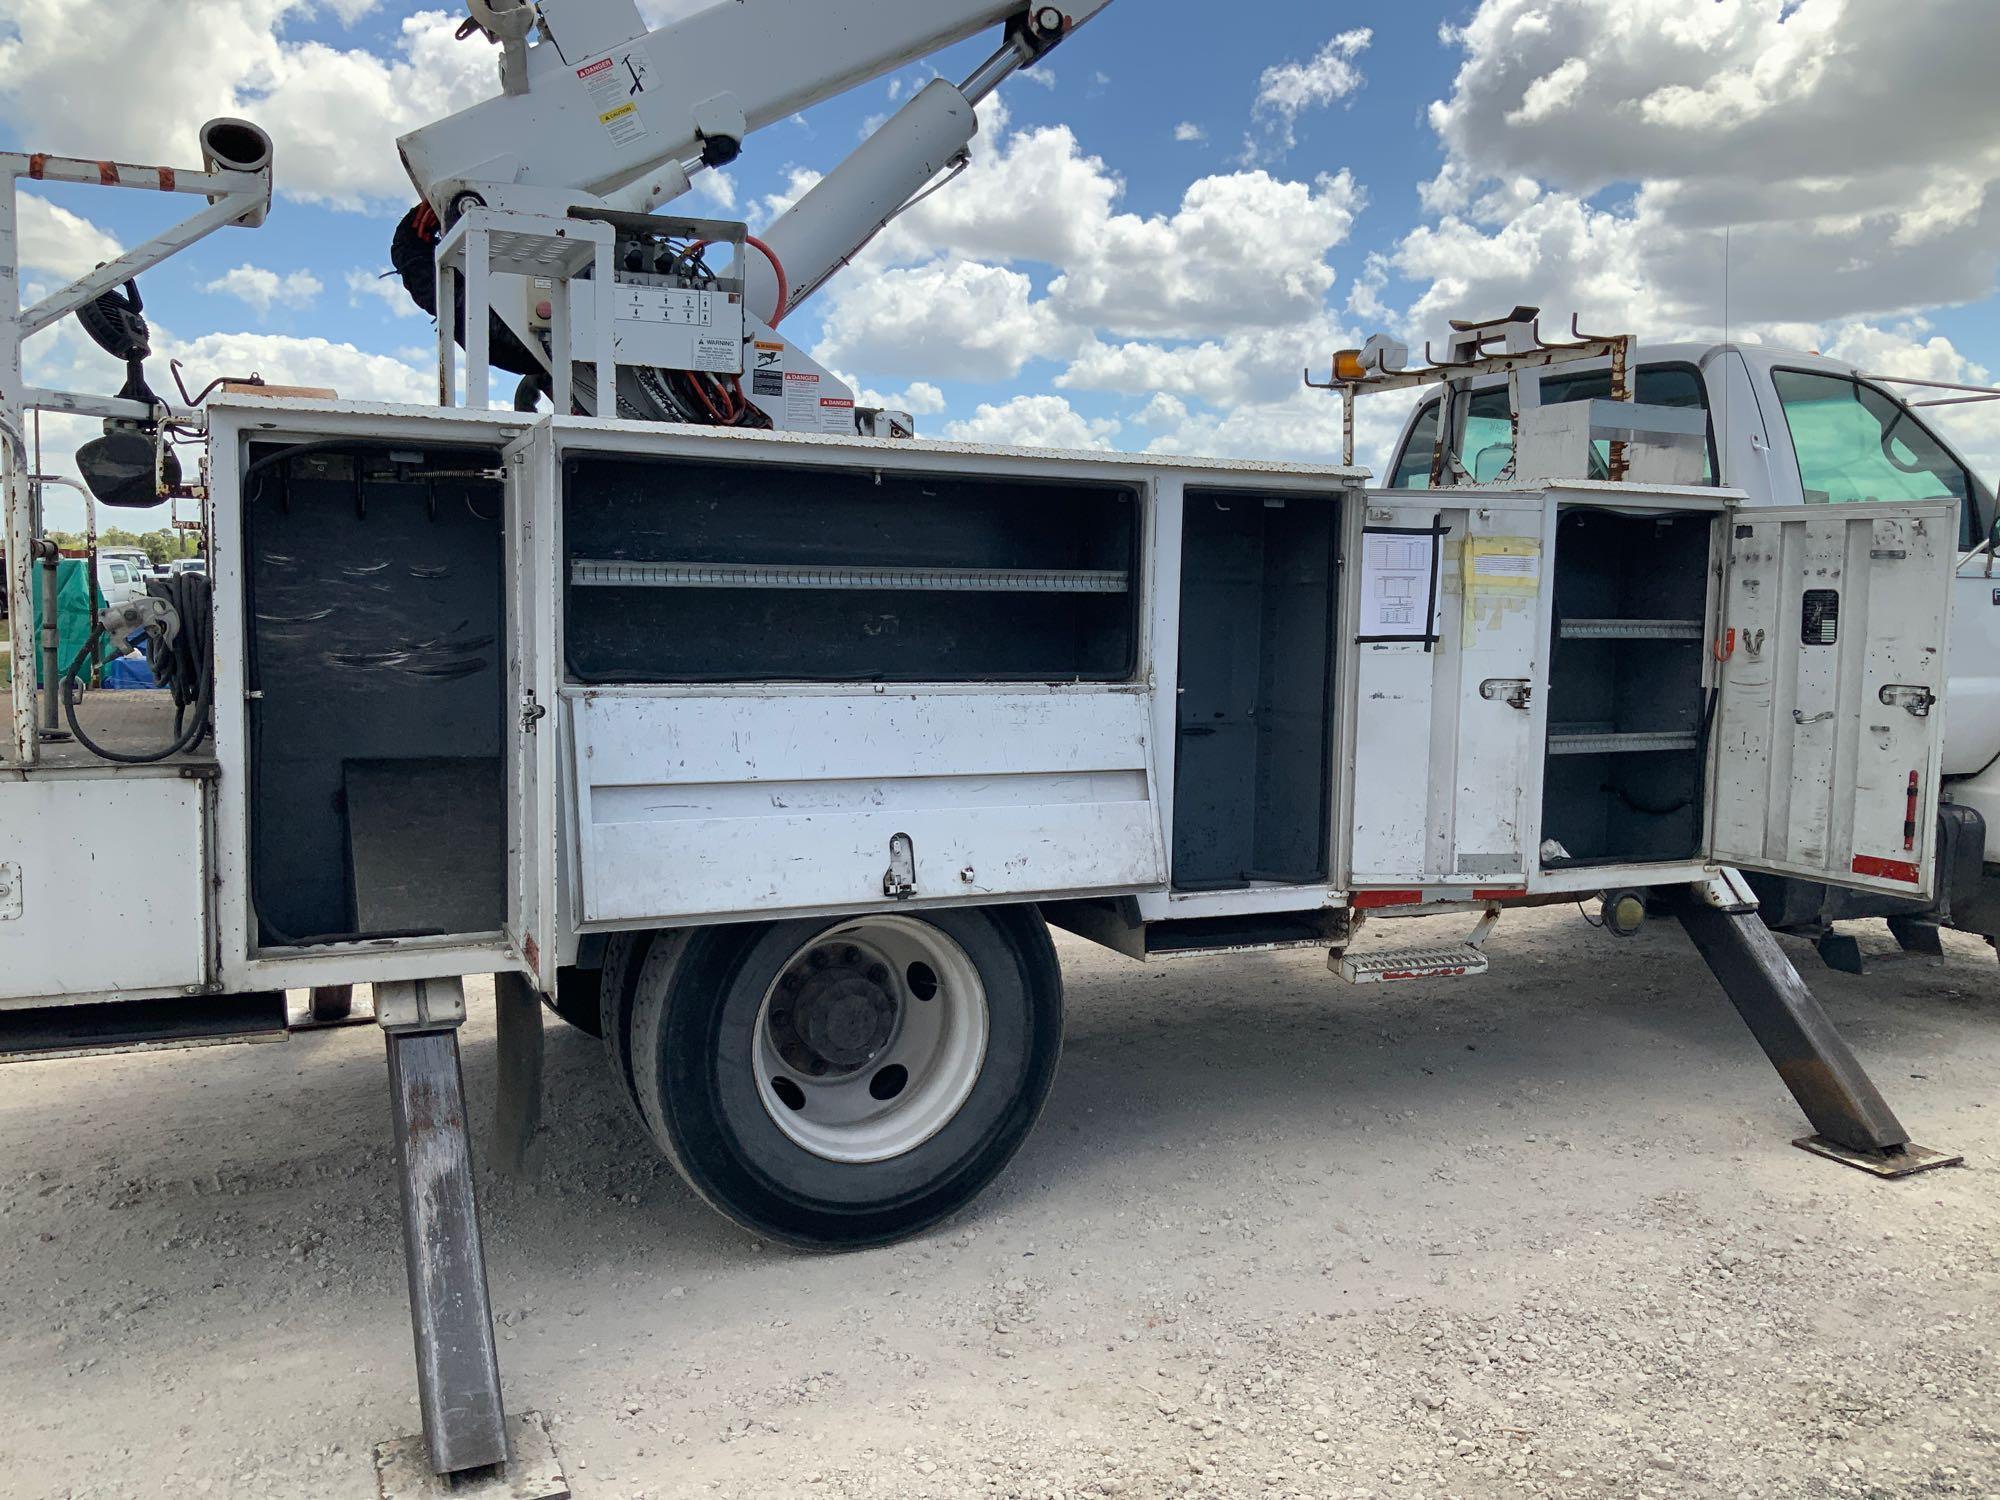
(1547, 150)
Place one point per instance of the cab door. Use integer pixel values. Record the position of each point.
(1830, 678)
(1442, 634)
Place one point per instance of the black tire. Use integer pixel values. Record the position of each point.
(625, 955)
(330, 1004)
(576, 998)
(694, 1015)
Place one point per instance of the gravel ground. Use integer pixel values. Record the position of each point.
(1535, 1234)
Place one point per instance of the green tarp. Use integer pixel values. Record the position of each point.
(77, 604)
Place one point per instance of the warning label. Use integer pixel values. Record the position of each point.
(613, 84)
(801, 401)
(767, 375)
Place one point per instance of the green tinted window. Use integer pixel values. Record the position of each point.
(1856, 444)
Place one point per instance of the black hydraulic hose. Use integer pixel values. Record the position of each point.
(186, 669)
(187, 737)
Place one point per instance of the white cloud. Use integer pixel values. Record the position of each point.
(364, 287)
(54, 239)
(1189, 133)
(333, 113)
(1034, 422)
(1041, 77)
(951, 318)
(1804, 162)
(1288, 89)
(264, 289)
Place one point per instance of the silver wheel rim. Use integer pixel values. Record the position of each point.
(870, 1039)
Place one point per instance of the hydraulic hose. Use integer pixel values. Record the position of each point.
(184, 667)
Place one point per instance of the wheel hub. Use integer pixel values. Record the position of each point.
(835, 1013)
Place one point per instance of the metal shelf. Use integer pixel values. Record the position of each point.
(588, 573)
(1630, 630)
(1619, 744)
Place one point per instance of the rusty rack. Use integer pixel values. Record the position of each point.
(1507, 345)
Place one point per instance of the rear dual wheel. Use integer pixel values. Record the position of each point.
(839, 1083)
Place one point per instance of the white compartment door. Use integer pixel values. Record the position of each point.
(1442, 625)
(531, 734)
(729, 805)
(1830, 712)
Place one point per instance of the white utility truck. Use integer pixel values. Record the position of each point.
(1789, 428)
(770, 744)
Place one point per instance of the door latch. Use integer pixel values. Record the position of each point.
(899, 881)
(1514, 691)
(1798, 717)
(1911, 698)
(532, 713)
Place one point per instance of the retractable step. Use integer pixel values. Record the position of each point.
(1436, 961)
(1458, 960)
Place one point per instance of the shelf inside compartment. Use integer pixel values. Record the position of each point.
(1565, 739)
(598, 573)
(691, 571)
(1622, 779)
(1629, 630)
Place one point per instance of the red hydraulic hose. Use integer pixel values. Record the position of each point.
(777, 269)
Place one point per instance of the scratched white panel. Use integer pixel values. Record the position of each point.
(84, 911)
(1817, 749)
(736, 805)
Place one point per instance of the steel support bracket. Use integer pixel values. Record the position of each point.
(1726, 891)
(404, 1005)
(1852, 1122)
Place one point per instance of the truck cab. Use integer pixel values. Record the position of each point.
(1789, 428)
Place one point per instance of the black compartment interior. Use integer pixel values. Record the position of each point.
(376, 634)
(1630, 611)
(1252, 778)
(809, 614)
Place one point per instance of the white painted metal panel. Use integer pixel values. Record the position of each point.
(102, 886)
(736, 805)
(1443, 779)
(1829, 731)
(533, 554)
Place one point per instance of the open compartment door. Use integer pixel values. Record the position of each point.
(1830, 680)
(1442, 630)
(530, 729)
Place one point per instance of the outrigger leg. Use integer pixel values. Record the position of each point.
(468, 1446)
(1852, 1122)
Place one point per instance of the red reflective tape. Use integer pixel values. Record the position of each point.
(107, 173)
(38, 164)
(1368, 900)
(1498, 892)
(1423, 973)
(1888, 869)
(1910, 815)
(166, 179)
(531, 950)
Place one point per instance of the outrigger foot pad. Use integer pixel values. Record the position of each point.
(533, 1472)
(1892, 1161)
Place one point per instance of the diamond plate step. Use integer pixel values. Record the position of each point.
(1438, 961)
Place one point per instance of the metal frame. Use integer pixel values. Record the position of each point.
(233, 198)
(484, 244)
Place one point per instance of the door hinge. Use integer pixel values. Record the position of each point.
(532, 713)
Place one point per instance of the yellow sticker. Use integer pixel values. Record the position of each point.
(1512, 563)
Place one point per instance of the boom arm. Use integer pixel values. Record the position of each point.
(602, 104)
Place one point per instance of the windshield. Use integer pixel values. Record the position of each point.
(1856, 443)
(1488, 444)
